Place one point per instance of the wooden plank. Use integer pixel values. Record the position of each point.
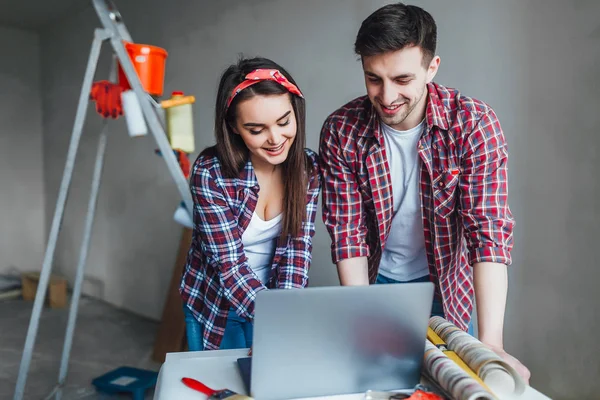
(171, 331)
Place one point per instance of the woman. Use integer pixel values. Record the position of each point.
(255, 199)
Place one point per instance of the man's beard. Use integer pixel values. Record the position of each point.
(408, 108)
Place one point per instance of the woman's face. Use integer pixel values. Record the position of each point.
(267, 125)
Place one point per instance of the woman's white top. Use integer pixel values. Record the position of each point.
(260, 240)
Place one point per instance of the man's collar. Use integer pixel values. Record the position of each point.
(435, 113)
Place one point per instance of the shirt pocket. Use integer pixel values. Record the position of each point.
(445, 185)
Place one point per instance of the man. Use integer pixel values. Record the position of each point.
(415, 179)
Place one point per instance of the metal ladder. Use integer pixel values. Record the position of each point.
(114, 32)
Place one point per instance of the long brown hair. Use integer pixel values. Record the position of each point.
(233, 153)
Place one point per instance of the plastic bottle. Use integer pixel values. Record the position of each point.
(180, 122)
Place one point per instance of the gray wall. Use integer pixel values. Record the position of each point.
(559, 189)
(533, 62)
(21, 163)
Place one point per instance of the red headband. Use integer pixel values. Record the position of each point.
(259, 75)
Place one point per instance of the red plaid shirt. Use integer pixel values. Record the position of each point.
(463, 186)
(217, 275)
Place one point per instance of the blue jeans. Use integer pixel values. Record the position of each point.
(238, 332)
(437, 308)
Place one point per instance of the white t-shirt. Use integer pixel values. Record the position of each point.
(404, 256)
(260, 240)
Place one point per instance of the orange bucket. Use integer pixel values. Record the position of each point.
(149, 63)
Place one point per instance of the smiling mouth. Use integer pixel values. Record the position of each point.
(274, 149)
(391, 108)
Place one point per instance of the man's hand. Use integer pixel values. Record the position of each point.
(491, 287)
(513, 362)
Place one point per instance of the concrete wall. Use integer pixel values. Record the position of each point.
(558, 290)
(21, 163)
(532, 61)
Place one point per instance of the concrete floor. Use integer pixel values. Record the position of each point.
(105, 338)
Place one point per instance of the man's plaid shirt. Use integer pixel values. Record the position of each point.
(463, 188)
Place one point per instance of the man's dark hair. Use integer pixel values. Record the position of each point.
(394, 27)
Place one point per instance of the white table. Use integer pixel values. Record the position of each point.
(218, 370)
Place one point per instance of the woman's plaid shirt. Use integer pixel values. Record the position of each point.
(217, 275)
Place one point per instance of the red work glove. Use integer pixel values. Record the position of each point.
(107, 96)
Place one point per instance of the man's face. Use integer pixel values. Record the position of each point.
(397, 85)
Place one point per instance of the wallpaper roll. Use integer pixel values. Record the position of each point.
(500, 377)
(452, 379)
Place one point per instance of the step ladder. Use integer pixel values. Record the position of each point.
(114, 32)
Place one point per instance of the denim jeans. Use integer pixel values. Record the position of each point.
(238, 331)
(436, 308)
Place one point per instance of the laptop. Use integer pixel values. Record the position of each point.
(337, 340)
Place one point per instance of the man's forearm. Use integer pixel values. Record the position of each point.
(353, 271)
(491, 287)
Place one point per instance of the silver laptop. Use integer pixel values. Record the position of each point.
(339, 340)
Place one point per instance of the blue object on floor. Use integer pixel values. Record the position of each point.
(126, 379)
